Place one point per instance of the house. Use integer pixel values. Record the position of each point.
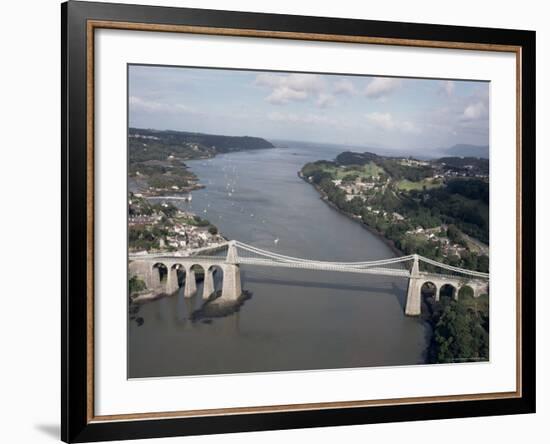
(353, 196)
(398, 216)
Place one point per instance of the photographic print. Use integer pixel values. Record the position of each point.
(285, 221)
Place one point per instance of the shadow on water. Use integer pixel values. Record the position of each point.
(391, 288)
(133, 313)
(193, 309)
(215, 308)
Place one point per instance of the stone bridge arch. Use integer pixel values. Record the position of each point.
(429, 287)
(449, 289)
(175, 271)
(194, 271)
(208, 286)
(416, 284)
(159, 274)
(181, 273)
(466, 290)
(190, 284)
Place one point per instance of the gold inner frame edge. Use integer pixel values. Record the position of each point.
(92, 25)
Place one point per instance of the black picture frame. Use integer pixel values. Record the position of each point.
(77, 425)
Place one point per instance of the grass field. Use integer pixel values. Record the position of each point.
(364, 171)
(407, 185)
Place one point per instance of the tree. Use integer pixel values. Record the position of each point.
(483, 263)
(454, 234)
(390, 202)
(350, 178)
(354, 206)
(459, 335)
(136, 285)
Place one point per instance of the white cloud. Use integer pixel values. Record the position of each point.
(284, 94)
(309, 118)
(289, 87)
(307, 82)
(344, 86)
(138, 104)
(324, 100)
(381, 120)
(381, 87)
(475, 111)
(386, 122)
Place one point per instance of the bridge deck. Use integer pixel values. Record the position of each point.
(325, 267)
(399, 266)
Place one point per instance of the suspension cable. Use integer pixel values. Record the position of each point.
(285, 258)
(452, 268)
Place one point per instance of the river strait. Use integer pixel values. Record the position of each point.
(295, 319)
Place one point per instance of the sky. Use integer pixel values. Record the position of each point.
(385, 112)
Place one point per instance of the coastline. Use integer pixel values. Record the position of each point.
(141, 181)
(427, 321)
(389, 243)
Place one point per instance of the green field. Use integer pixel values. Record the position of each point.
(407, 185)
(364, 171)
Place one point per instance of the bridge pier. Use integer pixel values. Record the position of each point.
(190, 283)
(414, 297)
(231, 288)
(208, 285)
(171, 285)
(155, 277)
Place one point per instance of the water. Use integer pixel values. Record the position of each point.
(295, 319)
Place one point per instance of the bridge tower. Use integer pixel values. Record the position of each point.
(414, 298)
(231, 288)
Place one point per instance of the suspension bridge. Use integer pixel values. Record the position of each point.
(161, 272)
